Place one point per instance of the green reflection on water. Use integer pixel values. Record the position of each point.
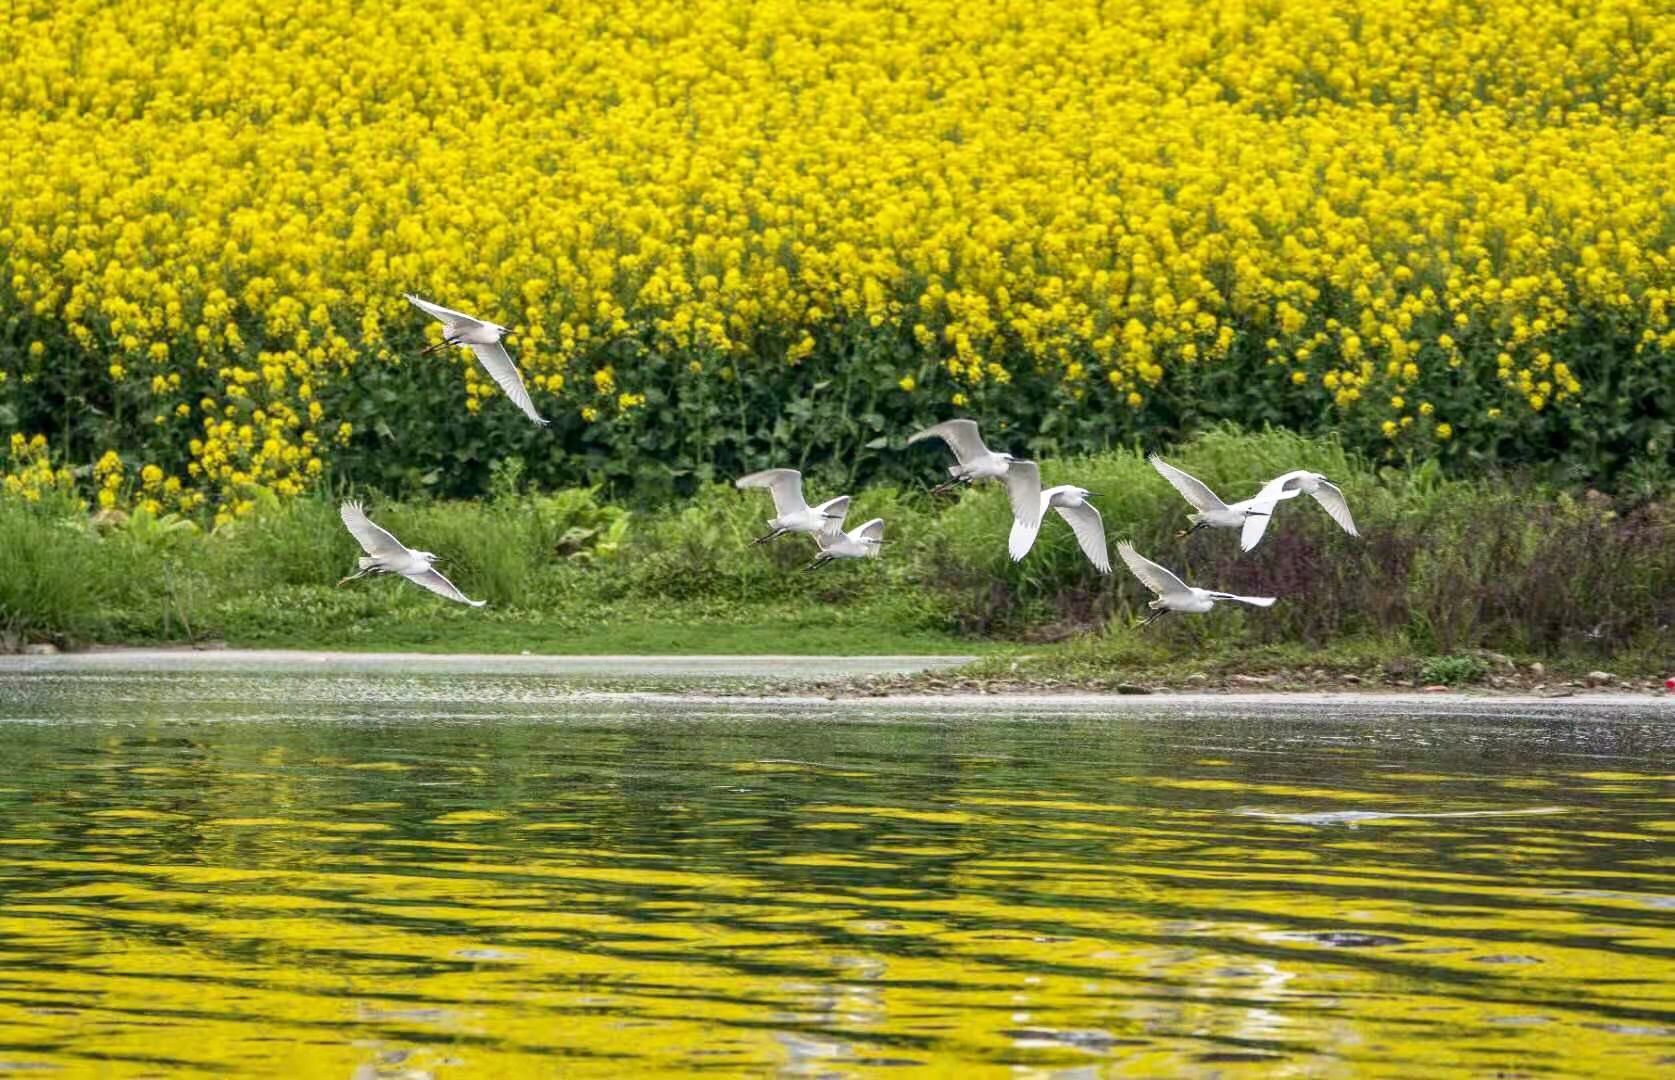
(315, 877)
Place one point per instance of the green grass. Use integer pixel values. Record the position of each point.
(1442, 567)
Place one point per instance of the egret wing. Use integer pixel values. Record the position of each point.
(1329, 496)
(440, 313)
(872, 531)
(1023, 489)
(961, 437)
(441, 586)
(1089, 528)
(373, 540)
(1022, 537)
(1151, 575)
(1257, 515)
(831, 527)
(499, 366)
(1194, 490)
(1253, 601)
(785, 485)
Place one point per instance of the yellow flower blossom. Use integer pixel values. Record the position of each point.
(709, 200)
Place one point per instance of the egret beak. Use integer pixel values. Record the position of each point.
(1094, 495)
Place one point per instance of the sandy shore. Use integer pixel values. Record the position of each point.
(763, 680)
(267, 661)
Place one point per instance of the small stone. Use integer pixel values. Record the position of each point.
(1132, 688)
(1198, 677)
(1436, 688)
(1538, 669)
(1352, 679)
(1252, 680)
(40, 648)
(1601, 678)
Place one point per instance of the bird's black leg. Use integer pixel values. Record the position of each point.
(1153, 617)
(356, 574)
(770, 536)
(950, 485)
(819, 561)
(1187, 533)
(444, 343)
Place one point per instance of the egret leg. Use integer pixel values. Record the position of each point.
(444, 343)
(816, 564)
(1153, 617)
(950, 485)
(770, 536)
(352, 577)
(1185, 533)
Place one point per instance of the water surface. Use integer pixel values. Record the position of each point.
(375, 875)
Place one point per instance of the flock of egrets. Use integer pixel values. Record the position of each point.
(1030, 503)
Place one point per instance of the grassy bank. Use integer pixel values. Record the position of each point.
(1443, 567)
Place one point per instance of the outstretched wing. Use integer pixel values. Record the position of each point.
(872, 531)
(1089, 528)
(833, 512)
(1253, 601)
(785, 485)
(1328, 496)
(441, 586)
(373, 540)
(1194, 490)
(1023, 489)
(1151, 575)
(1258, 512)
(500, 368)
(442, 314)
(1023, 535)
(960, 435)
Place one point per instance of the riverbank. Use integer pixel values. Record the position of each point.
(947, 678)
(1446, 576)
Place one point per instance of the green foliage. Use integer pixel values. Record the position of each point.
(1443, 566)
(48, 581)
(1452, 670)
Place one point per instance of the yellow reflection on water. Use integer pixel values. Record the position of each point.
(537, 899)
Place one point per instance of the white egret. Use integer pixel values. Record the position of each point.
(1023, 480)
(1173, 594)
(976, 461)
(1212, 512)
(793, 513)
(1289, 486)
(387, 555)
(862, 542)
(483, 338)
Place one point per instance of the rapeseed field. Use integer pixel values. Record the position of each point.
(726, 232)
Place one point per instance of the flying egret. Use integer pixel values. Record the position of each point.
(1212, 512)
(1023, 480)
(793, 513)
(386, 555)
(1289, 486)
(1173, 594)
(483, 338)
(976, 461)
(858, 543)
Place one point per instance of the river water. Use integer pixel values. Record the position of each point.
(368, 874)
